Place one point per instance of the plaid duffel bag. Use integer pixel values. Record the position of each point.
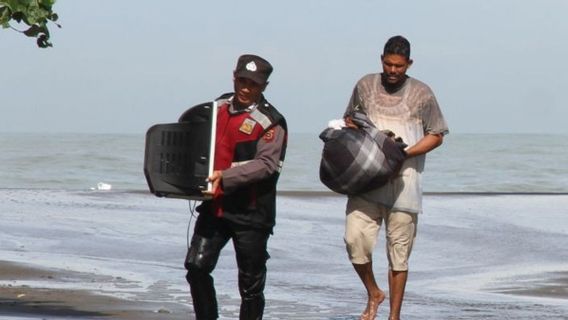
(356, 160)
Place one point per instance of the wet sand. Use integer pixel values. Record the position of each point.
(37, 302)
(17, 299)
(544, 285)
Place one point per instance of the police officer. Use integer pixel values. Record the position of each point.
(251, 138)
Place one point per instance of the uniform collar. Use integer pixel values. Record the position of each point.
(233, 110)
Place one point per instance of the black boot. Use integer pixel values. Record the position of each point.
(203, 294)
(252, 308)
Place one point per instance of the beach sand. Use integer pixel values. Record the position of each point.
(48, 303)
(36, 302)
(544, 285)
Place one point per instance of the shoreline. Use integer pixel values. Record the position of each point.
(305, 193)
(552, 285)
(325, 193)
(117, 255)
(36, 301)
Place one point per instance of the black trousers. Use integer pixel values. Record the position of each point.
(209, 237)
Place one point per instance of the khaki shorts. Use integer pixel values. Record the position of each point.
(364, 219)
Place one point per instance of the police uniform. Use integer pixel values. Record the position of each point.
(250, 148)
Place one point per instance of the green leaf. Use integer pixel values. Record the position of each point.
(34, 13)
(47, 3)
(5, 14)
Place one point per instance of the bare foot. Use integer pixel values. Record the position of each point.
(373, 303)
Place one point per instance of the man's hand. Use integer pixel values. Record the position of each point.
(349, 123)
(215, 180)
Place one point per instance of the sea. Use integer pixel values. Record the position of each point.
(492, 240)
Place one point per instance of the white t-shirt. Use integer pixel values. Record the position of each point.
(411, 113)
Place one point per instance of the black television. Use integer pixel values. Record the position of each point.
(179, 156)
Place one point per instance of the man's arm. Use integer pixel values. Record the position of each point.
(428, 143)
(264, 164)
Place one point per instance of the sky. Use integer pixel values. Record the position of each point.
(121, 66)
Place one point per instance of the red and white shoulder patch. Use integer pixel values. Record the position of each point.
(269, 135)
